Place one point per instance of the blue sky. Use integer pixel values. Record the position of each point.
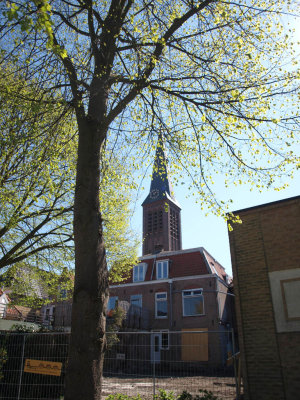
(211, 232)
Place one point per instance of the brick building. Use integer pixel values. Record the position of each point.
(265, 252)
(182, 290)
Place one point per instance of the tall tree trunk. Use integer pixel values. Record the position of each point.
(86, 352)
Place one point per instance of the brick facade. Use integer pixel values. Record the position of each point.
(161, 211)
(165, 233)
(180, 290)
(188, 269)
(265, 252)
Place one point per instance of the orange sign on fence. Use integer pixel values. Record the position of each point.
(43, 367)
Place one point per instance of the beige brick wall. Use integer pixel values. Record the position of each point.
(268, 240)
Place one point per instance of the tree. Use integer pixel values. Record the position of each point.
(38, 149)
(34, 287)
(38, 157)
(205, 74)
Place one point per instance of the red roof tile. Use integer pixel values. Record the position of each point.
(183, 263)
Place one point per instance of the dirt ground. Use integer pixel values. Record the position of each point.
(222, 387)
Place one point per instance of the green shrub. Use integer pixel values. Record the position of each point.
(23, 328)
(164, 395)
(3, 360)
(185, 396)
(119, 396)
(204, 395)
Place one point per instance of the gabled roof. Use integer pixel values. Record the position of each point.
(15, 312)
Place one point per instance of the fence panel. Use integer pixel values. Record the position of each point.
(135, 363)
(143, 363)
(18, 350)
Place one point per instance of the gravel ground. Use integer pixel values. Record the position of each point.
(222, 387)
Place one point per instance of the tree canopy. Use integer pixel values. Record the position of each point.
(31, 286)
(38, 146)
(210, 76)
(207, 74)
(38, 154)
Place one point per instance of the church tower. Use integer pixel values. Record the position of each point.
(161, 212)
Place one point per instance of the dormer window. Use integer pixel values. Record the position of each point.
(162, 269)
(139, 272)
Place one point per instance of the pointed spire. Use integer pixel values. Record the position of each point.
(161, 187)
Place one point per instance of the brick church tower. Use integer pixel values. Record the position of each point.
(161, 212)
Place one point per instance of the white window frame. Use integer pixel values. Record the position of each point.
(161, 332)
(193, 295)
(158, 300)
(165, 331)
(162, 266)
(137, 297)
(139, 272)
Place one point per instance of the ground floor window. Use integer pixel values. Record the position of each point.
(136, 300)
(112, 302)
(163, 339)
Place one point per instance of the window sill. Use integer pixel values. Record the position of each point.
(197, 315)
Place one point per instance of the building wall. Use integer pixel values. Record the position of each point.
(187, 270)
(215, 351)
(174, 288)
(3, 303)
(265, 252)
(162, 238)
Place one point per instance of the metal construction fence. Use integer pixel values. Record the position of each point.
(32, 366)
